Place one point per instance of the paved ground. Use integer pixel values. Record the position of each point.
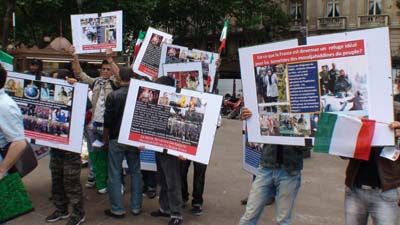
(320, 200)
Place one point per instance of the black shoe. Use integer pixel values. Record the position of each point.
(113, 215)
(197, 210)
(158, 213)
(243, 201)
(76, 220)
(57, 215)
(175, 221)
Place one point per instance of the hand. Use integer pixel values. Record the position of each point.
(394, 125)
(181, 157)
(109, 55)
(71, 81)
(218, 62)
(71, 50)
(245, 114)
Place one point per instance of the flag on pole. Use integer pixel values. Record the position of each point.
(344, 136)
(139, 41)
(222, 39)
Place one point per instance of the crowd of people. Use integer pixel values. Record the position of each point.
(370, 185)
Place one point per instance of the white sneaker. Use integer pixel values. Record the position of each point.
(102, 191)
(122, 189)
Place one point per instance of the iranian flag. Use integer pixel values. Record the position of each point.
(139, 41)
(344, 136)
(222, 39)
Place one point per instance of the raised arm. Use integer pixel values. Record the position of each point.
(76, 67)
(114, 66)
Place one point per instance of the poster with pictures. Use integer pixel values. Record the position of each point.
(147, 62)
(93, 33)
(178, 54)
(51, 109)
(251, 153)
(333, 73)
(186, 75)
(161, 119)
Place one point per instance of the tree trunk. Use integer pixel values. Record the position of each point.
(7, 19)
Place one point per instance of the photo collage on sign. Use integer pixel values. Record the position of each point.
(187, 79)
(99, 30)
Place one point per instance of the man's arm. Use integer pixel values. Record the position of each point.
(114, 67)
(76, 67)
(15, 151)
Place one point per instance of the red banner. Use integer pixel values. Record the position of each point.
(148, 71)
(99, 46)
(168, 144)
(310, 53)
(46, 137)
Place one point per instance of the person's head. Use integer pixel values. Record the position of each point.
(35, 66)
(262, 71)
(166, 81)
(171, 52)
(3, 76)
(333, 66)
(126, 74)
(342, 73)
(324, 68)
(269, 71)
(105, 70)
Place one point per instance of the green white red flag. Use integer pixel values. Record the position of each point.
(139, 41)
(344, 136)
(222, 39)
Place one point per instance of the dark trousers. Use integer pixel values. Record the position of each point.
(149, 180)
(199, 177)
(66, 186)
(168, 171)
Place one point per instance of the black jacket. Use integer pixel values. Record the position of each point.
(282, 156)
(115, 105)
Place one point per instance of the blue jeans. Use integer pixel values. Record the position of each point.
(116, 153)
(268, 181)
(381, 206)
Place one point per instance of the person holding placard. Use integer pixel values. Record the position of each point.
(280, 170)
(101, 87)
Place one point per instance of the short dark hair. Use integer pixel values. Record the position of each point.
(166, 81)
(105, 62)
(62, 73)
(3, 76)
(126, 73)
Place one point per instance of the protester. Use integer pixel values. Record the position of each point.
(168, 170)
(66, 186)
(371, 189)
(35, 68)
(115, 105)
(101, 87)
(279, 173)
(11, 128)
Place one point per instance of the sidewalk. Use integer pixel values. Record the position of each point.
(320, 200)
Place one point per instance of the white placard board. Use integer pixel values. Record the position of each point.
(160, 119)
(53, 110)
(292, 87)
(94, 32)
(186, 75)
(251, 153)
(147, 61)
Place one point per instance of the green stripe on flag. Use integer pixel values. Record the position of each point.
(323, 137)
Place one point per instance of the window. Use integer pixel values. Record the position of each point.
(333, 8)
(295, 10)
(374, 7)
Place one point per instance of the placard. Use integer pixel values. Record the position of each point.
(147, 62)
(186, 75)
(96, 32)
(160, 119)
(332, 73)
(251, 153)
(52, 109)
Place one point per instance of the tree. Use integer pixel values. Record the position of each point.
(7, 19)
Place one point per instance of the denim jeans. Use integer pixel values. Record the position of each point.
(199, 177)
(381, 206)
(268, 181)
(90, 149)
(168, 171)
(93, 133)
(116, 153)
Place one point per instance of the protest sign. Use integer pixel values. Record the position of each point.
(251, 153)
(147, 61)
(96, 32)
(161, 119)
(332, 73)
(186, 75)
(178, 54)
(52, 109)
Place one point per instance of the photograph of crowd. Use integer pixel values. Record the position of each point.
(297, 125)
(98, 30)
(187, 79)
(14, 87)
(46, 120)
(343, 84)
(148, 95)
(186, 118)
